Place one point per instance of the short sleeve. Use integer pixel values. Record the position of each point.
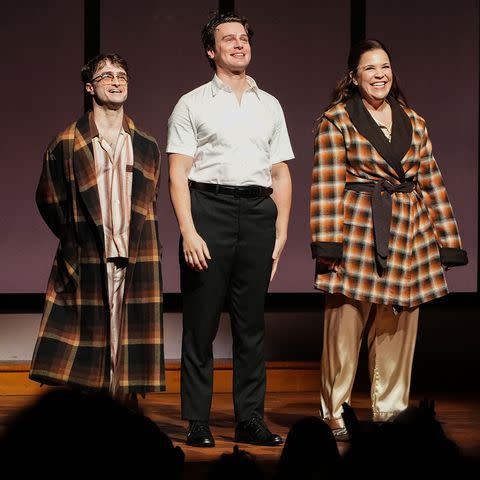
(181, 136)
(280, 147)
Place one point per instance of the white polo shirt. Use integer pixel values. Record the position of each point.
(231, 143)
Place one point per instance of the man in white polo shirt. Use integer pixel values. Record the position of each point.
(231, 191)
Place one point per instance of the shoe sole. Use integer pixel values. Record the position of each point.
(260, 444)
(202, 445)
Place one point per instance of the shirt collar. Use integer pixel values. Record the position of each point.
(94, 130)
(218, 85)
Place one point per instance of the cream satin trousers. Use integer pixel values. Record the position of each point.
(116, 286)
(391, 345)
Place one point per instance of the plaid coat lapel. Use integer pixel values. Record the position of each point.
(401, 134)
(84, 168)
(145, 177)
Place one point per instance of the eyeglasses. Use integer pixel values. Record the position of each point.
(107, 78)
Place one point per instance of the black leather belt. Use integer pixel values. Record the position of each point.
(381, 213)
(249, 191)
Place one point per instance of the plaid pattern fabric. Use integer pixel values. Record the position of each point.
(341, 219)
(73, 345)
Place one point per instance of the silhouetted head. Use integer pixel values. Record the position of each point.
(310, 448)
(238, 465)
(91, 433)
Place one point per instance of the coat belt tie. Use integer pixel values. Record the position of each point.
(381, 213)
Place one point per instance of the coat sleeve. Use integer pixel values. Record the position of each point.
(440, 211)
(51, 194)
(327, 192)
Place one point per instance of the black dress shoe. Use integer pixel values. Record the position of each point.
(255, 431)
(199, 435)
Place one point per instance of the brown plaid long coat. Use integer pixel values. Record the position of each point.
(73, 345)
(423, 231)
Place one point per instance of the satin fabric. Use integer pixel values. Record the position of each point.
(391, 344)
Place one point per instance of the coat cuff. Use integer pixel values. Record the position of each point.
(333, 250)
(453, 257)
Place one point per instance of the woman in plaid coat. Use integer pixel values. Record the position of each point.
(383, 232)
(102, 325)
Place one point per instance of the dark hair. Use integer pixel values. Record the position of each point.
(345, 88)
(310, 450)
(208, 31)
(89, 69)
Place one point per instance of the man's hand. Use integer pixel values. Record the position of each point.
(277, 251)
(195, 251)
(282, 196)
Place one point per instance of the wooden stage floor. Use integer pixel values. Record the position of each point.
(458, 413)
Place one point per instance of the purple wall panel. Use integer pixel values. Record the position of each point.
(42, 53)
(435, 54)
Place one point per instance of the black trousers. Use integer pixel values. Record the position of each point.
(240, 235)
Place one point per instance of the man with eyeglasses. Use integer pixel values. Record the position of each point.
(231, 191)
(102, 326)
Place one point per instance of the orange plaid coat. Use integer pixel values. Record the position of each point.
(73, 345)
(423, 236)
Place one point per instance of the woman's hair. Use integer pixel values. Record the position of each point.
(345, 88)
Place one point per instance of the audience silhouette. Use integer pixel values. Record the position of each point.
(411, 442)
(238, 465)
(310, 451)
(74, 434)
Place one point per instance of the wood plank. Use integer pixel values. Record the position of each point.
(281, 377)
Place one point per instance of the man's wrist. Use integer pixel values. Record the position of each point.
(188, 230)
